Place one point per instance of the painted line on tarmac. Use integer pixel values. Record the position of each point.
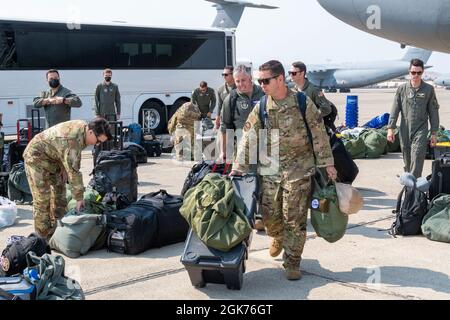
(165, 273)
(129, 282)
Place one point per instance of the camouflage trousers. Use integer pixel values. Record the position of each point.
(285, 207)
(49, 198)
(184, 149)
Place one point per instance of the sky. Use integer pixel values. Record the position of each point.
(298, 30)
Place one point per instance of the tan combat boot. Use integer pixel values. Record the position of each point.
(276, 247)
(259, 225)
(293, 275)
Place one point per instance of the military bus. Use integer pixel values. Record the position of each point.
(156, 68)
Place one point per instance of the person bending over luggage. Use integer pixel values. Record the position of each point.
(52, 158)
(417, 102)
(182, 127)
(286, 174)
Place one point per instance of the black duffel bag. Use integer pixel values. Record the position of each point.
(172, 227)
(132, 230)
(345, 166)
(139, 151)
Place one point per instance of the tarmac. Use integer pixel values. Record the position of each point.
(367, 264)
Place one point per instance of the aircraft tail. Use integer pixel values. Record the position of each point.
(229, 12)
(417, 53)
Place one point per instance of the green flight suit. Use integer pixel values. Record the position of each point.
(222, 93)
(50, 153)
(57, 113)
(417, 107)
(317, 96)
(286, 174)
(206, 102)
(107, 99)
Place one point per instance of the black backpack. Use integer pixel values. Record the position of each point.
(200, 170)
(13, 257)
(329, 119)
(409, 212)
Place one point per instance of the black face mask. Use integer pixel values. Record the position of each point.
(54, 83)
(107, 79)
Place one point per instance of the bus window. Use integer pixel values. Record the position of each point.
(8, 55)
(230, 61)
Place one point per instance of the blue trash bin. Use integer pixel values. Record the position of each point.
(352, 112)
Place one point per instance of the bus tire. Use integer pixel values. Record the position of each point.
(153, 116)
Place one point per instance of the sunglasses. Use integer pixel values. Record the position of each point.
(266, 81)
(226, 74)
(414, 73)
(294, 73)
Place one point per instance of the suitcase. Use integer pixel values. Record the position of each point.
(18, 287)
(208, 265)
(116, 169)
(440, 176)
(153, 148)
(116, 143)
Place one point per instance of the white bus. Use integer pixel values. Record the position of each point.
(156, 68)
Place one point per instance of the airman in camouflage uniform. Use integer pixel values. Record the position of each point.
(57, 102)
(182, 127)
(416, 101)
(286, 186)
(53, 156)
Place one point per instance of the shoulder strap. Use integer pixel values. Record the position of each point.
(263, 111)
(233, 99)
(301, 97)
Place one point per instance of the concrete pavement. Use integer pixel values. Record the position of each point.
(366, 264)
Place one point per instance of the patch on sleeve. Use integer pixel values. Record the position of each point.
(321, 94)
(5, 264)
(247, 126)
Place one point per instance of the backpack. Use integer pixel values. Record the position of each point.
(18, 186)
(200, 170)
(329, 119)
(52, 283)
(409, 212)
(134, 133)
(13, 259)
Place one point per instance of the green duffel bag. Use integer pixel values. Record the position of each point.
(215, 213)
(356, 148)
(391, 147)
(375, 144)
(436, 223)
(76, 233)
(326, 218)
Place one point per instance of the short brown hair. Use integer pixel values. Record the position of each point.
(417, 63)
(51, 71)
(300, 66)
(203, 84)
(107, 70)
(100, 126)
(275, 67)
